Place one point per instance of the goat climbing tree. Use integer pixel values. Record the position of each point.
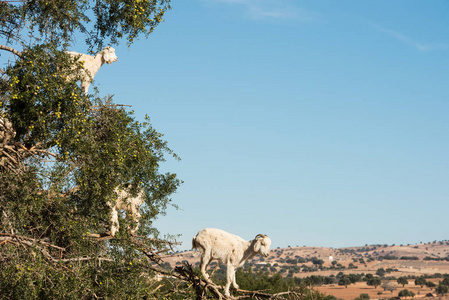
(63, 152)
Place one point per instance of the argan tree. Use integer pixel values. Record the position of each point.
(402, 280)
(375, 281)
(381, 272)
(420, 281)
(406, 293)
(344, 281)
(63, 153)
(389, 286)
(442, 289)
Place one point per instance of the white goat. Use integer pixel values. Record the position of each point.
(232, 250)
(93, 63)
(129, 204)
(6, 130)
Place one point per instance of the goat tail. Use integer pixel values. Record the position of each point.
(194, 244)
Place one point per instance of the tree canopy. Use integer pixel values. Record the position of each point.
(420, 281)
(344, 281)
(99, 22)
(375, 281)
(63, 153)
(403, 281)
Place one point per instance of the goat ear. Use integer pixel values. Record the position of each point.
(257, 246)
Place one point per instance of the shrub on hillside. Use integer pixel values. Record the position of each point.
(445, 281)
(388, 257)
(362, 297)
(344, 281)
(409, 258)
(420, 281)
(375, 281)
(262, 281)
(403, 281)
(442, 289)
(406, 293)
(380, 272)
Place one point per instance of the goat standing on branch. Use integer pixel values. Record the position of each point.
(93, 63)
(131, 204)
(232, 250)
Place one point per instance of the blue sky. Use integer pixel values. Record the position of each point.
(319, 123)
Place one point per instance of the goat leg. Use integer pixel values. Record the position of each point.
(214, 269)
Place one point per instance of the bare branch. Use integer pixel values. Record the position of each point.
(8, 236)
(10, 49)
(83, 259)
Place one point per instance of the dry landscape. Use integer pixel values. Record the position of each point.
(413, 260)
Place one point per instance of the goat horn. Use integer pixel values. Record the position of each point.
(260, 236)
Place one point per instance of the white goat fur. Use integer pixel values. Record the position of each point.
(129, 204)
(93, 63)
(232, 250)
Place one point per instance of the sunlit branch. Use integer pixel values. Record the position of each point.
(10, 49)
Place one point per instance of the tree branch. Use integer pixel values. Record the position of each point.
(83, 259)
(12, 50)
(185, 272)
(8, 236)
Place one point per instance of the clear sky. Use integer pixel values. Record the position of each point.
(319, 123)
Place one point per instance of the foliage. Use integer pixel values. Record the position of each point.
(436, 258)
(381, 272)
(409, 258)
(59, 204)
(314, 280)
(363, 297)
(317, 261)
(352, 266)
(344, 281)
(354, 277)
(406, 293)
(271, 284)
(63, 153)
(262, 281)
(99, 22)
(403, 281)
(420, 281)
(442, 289)
(388, 257)
(375, 281)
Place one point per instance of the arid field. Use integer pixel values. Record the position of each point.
(413, 260)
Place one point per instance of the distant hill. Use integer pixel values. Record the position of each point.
(398, 260)
(324, 267)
